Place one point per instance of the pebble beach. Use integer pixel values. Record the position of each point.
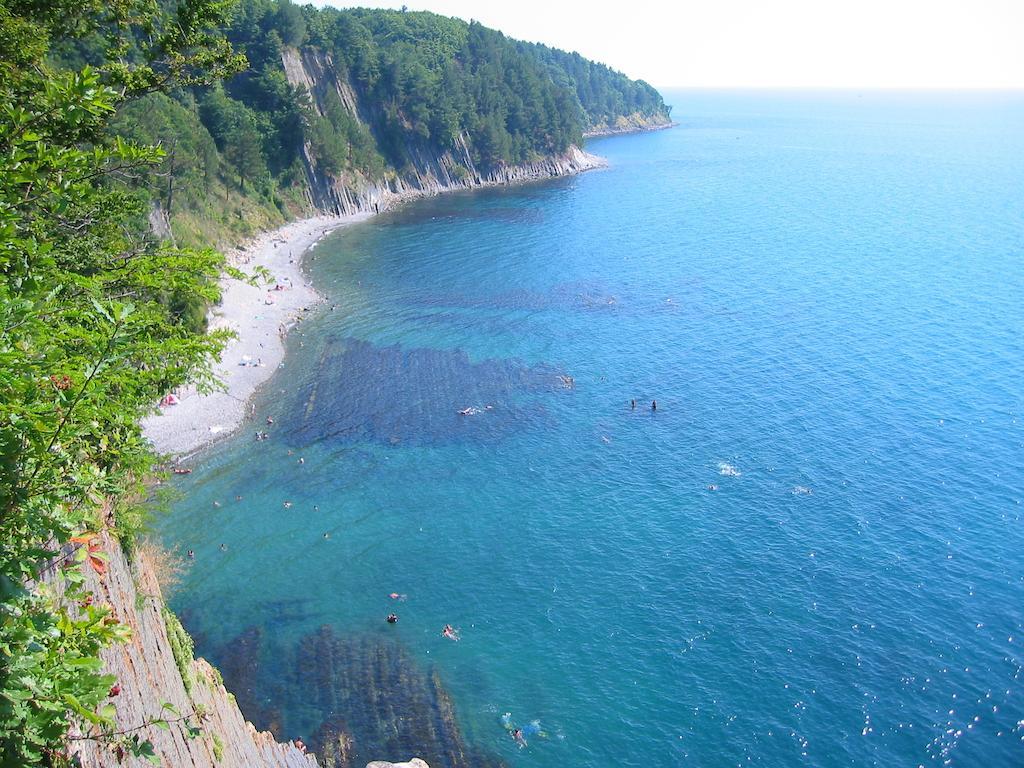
(260, 315)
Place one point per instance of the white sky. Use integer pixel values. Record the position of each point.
(770, 43)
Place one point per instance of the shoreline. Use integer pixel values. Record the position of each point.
(628, 129)
(261, 317)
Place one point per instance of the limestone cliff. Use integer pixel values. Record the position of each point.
(427, 174)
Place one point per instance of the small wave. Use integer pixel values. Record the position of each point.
(728, 470)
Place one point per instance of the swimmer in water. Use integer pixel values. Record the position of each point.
(632, 404)
(450, 633)
(392, 618)
(519, 733)
(654, 405)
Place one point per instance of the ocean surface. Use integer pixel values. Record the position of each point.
(811, 553)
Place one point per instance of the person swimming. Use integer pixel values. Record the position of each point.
(654, 405)
(392, 618)
(519, 733)
(450, 632)
(515, 732)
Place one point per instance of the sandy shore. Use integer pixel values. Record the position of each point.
(260, 316)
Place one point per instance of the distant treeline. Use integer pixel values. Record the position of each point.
(421, 83)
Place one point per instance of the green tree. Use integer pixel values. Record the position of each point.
(244, 149)
(236, 130)
(290, 24)
(88, 341)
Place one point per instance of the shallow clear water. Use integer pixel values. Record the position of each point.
(825, 295)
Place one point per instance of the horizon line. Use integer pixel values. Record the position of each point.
(960, 88)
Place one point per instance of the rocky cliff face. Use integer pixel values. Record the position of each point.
(428, 174)
(148, 675)
(631, 124)
(152, 669)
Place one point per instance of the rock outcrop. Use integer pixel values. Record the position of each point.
(634, 123)
(148, 675)
(427, 174)
(355, 698)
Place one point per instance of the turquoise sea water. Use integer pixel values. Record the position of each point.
(812, 553)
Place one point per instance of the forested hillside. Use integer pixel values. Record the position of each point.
(395, 87)
(94, 327)
(113, 114)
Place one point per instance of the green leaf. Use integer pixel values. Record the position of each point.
(101, 310)
(90, 663)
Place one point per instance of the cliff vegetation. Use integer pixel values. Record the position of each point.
(94, 328)
(359, 99)
(133, 134)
